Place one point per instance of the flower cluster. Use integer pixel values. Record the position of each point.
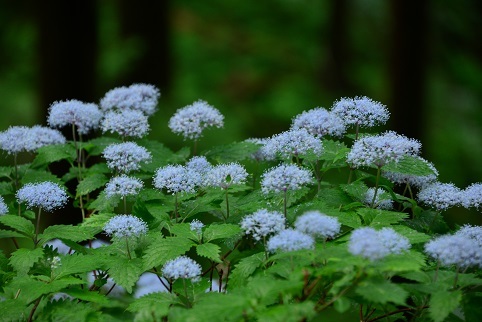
(126, 157)
(3, 206)
(289, 240)
(413, 180)
(225, 175)
(126, 123)
(472, 232)
(439, 195)
(285, 177)
(46, 195)
(374, 245)
(472, 196)
(361, 111)
(84, 116)
(177, 178)
(140, 97)
(125, 226)
(260, 154)
(123, 186)
(24, 139)
(182, 267)
(292, 143)
(382, 200)
(378, 150)
(262, 223)
(190, 121)
(196, 226)
(316, 224)
(458, 249)
(320, 122)
(199, 164)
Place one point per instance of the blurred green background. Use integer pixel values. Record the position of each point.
(260, 63)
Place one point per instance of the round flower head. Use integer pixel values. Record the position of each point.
(292, 143)
(472, 232)
(260, 155)
(262, 223)
(191, 120)
(361, 111)
(46, 195)
(199, 164)
(225, 175)
(43, 136)
(123, 186)
(182, 267)
(141, 97)
(126, 123)
(413, 180)
(382, 200)
(290, 240)
(456, 250)
(440, 196)
(284, 178)
(125, 226)
(126, 157)
(3, 206)
(16, 139)
(316, 224)
(320, 122)
(374, 245)
(472, 196)
(378, 150)
(176, 178)
(196, 226)
(85, 116)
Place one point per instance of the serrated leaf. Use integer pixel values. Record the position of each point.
(157, 304)
(103, 203)
(183, 230)
(290, 312)
(23, 259)
(69, 232)
(161, 155)
(96, 146)
(52, 153)
(32, 176)
(66, 310)
(164, 249)
(410, 261)
(219, 231)
(210, 251)
(76, 264)
(86, 295)
(6, 188)
(18, 223)
(5, 172)
(91, 183)
(237, 151)
(124, 271)
(10, 234)
(334, 150)
(413, 236)
(409, 165)
(357, 190)
(379, 290)
(442, 303)
(245, 268)
(14, 310)
(380, 218)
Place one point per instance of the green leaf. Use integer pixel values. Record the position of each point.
(380, 218)
(164, 249)
(32, 176)
(410, 261)
(210, 251)
(88, 296)
(379, 290)
(66, 310)
(69, 232)
(237, 151)
(96, 146)
(183, 230)
(154, 304)
(103, 203)
(5, 172)
(52, 153)
(413, 236)
(410, 165)
(245, 268)
(23, 259)
(91, 183)
(218, 231)
(442, 303)
(6, 188)
(124, 271)
(334, 151)
(76, 264)
(14, 310)
(18, 223)
(289, 312)
(10, 234)
(161, 155)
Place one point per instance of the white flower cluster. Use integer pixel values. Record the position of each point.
(3, 206)
(85, 116)
(285, 178)
(182, 267)
(139, 97)
(126, 157)
(472, 232)
(374, 245)
(460, 249)
(262, 223)
(382, 200)
(378, 150)
(199, 164)
(320, 122)
(316, 224)
(196, 226)
(125, 226)
(46, 195)
(24, 139)
(413, 180)
(190, 121)
(361, 111)
(289, 240)
(225, 175)
(123, 186)
(439, 195)
(177, 178)
(126, 123)
(292, 143)
(472, 196)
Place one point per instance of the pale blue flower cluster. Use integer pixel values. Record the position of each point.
(140, 97)
(190, 121)
(122, 186)
(85, 116)
(289, 240)
(225, 175)
(196, 226)
(262, 223)
(378, 150)
(285, 177)
(382, 200)
(126, 157)
(472, 232)
(126, 123)
(440, 196)
(458, 249)
(46, 195)
(121, 226)
(3, 206)
(361, 111)
(320, 122)
(316, 224)
(182, 267)
(292, 143)
(177, 178)
(413, 180)
(260, 154)
(199, 164)
(374, 245)
(24, 139)
(472, 196)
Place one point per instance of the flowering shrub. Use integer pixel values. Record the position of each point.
(168, 235)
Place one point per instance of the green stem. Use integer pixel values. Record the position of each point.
(79, 169)
(127, 247)
(176, 215)
(32, 312)
(376, 187)
(227, 204)
(185, 292)
(265, 250)
(37, 226)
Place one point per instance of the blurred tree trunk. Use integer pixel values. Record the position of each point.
(148, 21)
(407, 68)
(67, 50)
